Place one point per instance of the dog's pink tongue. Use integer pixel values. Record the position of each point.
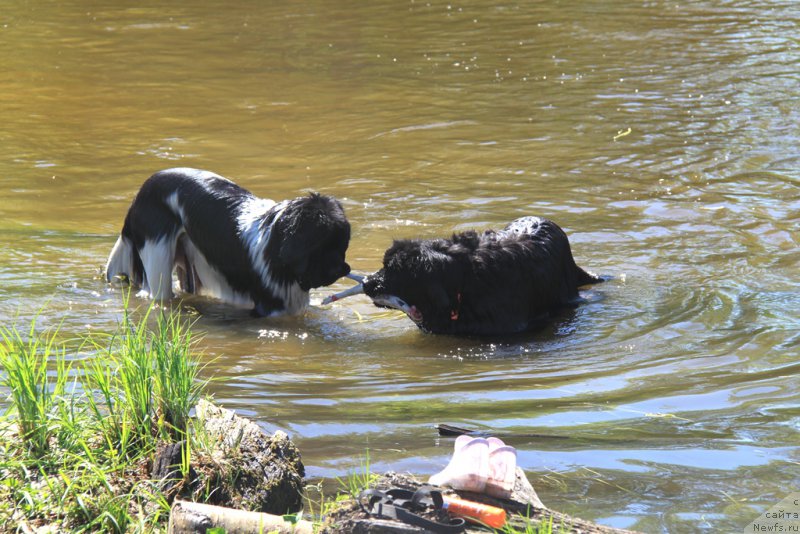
(414, 313)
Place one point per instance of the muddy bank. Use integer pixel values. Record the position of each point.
(523, 510)
(273, 484)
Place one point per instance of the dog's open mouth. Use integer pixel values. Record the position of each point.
(392, 301)
(388, 301)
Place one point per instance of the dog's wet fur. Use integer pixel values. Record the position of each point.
(490, 283)
(227, 243)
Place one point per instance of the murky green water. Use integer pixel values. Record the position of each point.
(662, 136)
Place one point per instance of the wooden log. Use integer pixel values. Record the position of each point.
(188, 517)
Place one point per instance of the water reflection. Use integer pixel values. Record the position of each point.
(661, 136)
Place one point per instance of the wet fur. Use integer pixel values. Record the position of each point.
(226, 243)
(490, 283)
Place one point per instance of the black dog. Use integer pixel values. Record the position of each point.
(480, 284)
(227, 243)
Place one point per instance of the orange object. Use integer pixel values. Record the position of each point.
(491, 516)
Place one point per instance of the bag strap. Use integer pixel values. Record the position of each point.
(397, 504)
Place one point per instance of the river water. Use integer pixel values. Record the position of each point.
(663, 136)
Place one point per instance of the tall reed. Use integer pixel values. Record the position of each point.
(78, 453)
(177, 387)
(34, 390)
(147, 380)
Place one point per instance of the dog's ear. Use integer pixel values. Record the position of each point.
(304, 225)
(299, 245)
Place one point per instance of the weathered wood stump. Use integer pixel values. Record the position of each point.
(263, 473)
(245, 468)
(167, 469)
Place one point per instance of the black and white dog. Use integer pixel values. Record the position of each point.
(493, 283)
(227, 243)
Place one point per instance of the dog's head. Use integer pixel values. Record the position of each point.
(423, 279)
(311, 238)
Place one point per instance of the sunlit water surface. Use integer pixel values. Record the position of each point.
(662, 136)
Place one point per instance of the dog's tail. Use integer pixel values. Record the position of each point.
(120, 264)
(585, 277)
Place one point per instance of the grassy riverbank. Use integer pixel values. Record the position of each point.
(86, 419)
(83, 425)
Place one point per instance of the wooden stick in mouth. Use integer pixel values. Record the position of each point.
(349, 292)
(357, 277)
